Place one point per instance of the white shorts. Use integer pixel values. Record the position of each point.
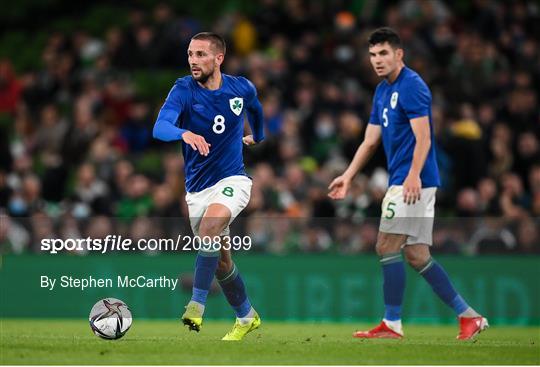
(233, 192)
(414, 220)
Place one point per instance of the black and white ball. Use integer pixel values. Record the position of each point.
(110, 318)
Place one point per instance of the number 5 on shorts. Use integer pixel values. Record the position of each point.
(228, 191)
(389, 211)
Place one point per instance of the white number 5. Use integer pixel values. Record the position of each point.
(385, 117)
(219, 124)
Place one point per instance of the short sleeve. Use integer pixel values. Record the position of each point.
(374, 116)
(416, 102)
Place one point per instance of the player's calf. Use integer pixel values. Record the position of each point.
(212, 224)
(471, 323)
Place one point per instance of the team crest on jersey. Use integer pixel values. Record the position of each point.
(237, 104)
(393, 100)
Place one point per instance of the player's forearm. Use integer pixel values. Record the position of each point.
(421, 150)
(166, 131)
(256, 120)
(361, 157)
(165, 128)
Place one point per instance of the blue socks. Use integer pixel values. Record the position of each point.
(235, 291)
(394, 285)
(231, 283)
(205, 269)
(440, 282)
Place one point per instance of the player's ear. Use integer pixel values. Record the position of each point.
(399, 54)
(219, 58)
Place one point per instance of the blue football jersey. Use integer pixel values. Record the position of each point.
(394, 105)
(218, 116)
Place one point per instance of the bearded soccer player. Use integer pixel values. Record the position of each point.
(205, 111)
(401, 116)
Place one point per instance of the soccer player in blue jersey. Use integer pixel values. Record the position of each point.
(205, 111)
(401, 116)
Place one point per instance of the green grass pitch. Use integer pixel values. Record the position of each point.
(166, 342)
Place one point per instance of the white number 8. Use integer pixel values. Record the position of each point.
(219, 124)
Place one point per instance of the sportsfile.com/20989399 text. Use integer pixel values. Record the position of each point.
(118, 243)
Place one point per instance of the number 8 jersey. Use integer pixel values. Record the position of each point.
(218, 116)
(394, 105)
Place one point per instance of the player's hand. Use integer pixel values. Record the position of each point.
(412, 187)
(196, 142)
(339, 187)
(248, 140)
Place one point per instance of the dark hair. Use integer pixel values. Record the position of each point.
(215, 39)
(383, 35)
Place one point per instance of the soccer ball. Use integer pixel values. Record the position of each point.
(110, 318)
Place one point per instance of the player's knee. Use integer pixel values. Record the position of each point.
(223, 268)
(380, 248)
(416, 259)
(384, 248)
(210, 227)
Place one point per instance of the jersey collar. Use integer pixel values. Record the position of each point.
(400, 75)
(216, 91)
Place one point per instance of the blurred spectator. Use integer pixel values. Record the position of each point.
(27, 199)
(502, 158)
(465, 142)
(137, 129)
(350, 133)
(325, 140)
(123, 171)
(314, 240)
(87, 48)
(514, 201)
(488, 197)
(534, 184)
(492, 236)
(14, 238)
(69, 229)
(273, 114)
(468, 203)
(146, 51)
(5, 190)
(82, 132)
(49, 142)
(528, 237)
(91, 193)
(42, 227)
(137, 200)
(528, 153)
(10, 87)
(99, 227)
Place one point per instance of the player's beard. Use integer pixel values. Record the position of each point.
(203, 77)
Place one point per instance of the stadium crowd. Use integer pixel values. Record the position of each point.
(77, 156)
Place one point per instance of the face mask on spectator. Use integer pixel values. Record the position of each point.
(344, 54)
(324, 128)
(80, 210)
(17, 206)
